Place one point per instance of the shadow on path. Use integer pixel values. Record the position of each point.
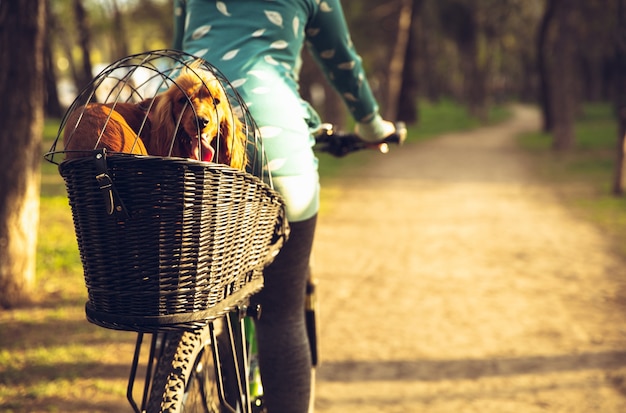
(438, 370)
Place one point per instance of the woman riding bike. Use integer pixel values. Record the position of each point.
(257, 45)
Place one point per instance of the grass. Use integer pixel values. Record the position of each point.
(51, 359)
(436, 118)
(584, 175)
(447, 116)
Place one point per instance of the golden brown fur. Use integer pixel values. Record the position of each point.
(96, 126)
(192, 119)
(206, 114)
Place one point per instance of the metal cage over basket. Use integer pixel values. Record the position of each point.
(167, 240)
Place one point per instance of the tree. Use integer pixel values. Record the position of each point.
(542, 66)
(563, 76)
(620, 97)
(22, 30)
(461, 23)
(409, 88)
(120, 36)
(397, 61)
(52, 105)
(84, 76)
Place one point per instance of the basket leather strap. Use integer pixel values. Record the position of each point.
(112, 200)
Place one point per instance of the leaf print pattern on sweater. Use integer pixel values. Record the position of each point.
(279, 44)
(221, 7)
(257, 44)
(200, 32)
(296, 26)
(325, 7)
(230, 55)
(274, 17)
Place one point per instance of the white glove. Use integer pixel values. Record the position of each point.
(375, 130)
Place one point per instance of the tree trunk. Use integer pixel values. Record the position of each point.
(52, 106)
(120, 37)
(432, 86)
(51, 99)
(564, 96)
(620, 98)
(474, 81)
(461, 23)
(397, 62)
(85, 75)
(408, 100)
(542, 65)
(22, 31)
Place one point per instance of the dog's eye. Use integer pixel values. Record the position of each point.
(216, 101)
(182, 100)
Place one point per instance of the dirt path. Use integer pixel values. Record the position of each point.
(452, 281)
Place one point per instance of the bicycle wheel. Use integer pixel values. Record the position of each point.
(184, 378)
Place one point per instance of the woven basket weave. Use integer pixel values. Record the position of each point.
(165, 242)
(187, 242)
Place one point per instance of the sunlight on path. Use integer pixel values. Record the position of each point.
(451, 281)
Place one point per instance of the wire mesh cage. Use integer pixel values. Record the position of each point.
(173, 210)
(161, 103)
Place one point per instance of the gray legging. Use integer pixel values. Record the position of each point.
(284, 352)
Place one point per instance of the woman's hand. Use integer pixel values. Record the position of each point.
(375, 130)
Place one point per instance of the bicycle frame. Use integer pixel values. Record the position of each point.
(235, 331)
(238, 323)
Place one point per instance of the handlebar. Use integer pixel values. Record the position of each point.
(340, 144)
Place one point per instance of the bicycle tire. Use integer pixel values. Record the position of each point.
(184, 377)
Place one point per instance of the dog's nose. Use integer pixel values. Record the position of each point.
(203, 122)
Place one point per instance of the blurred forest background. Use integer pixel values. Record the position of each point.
(478, 52)
(557, 54)
(561, 56)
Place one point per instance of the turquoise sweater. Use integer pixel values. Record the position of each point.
(256, 44)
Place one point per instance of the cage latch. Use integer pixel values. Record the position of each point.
(112, 200)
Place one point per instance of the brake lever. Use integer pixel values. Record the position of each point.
(328, 141)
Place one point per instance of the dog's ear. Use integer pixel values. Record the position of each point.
(233, 142)
(163, 125)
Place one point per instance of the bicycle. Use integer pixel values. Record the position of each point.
(192, 383)
(181, 272)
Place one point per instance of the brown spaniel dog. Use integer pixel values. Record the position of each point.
(192, 119)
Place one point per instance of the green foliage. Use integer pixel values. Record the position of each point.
(51, 358)
(448, 116)
(51, 182)
(585, 174)
(57, 248)
(597, 128)
(435, 119)
(592, 159)
(59, 269)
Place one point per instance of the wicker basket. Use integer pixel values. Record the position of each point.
(169, 243)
